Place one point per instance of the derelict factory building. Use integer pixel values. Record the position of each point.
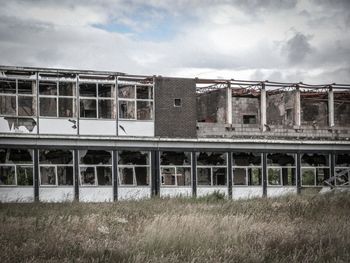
(103, 136)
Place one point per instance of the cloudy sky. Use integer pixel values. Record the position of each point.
(278, 40)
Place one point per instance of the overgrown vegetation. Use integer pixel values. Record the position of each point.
(288, 229)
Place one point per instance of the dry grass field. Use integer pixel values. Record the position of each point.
(288, 229)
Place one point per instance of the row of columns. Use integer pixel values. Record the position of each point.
(155, 174)
(297, 106)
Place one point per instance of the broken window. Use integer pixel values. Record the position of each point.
(249, 119)
(57, 99)
(281, 169)
(56, 167)
(17, 97)
(97, 100)
(133, 168)
(95, 167)
(16, 167)
(246, 168)
(211, 168)
(315, 169)
(341, 171)
(175, 168)
(135, 102)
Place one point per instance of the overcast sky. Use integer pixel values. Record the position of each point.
(277, 40)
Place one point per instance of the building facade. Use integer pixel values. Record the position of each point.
(99, 136)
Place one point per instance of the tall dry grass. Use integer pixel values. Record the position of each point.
(289, 229)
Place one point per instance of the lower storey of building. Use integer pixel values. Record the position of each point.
(61, 173)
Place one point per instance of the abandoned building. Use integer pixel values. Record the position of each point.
(105, 136)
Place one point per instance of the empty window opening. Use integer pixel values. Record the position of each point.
(135, 102)
(95, 167)
(177, 102)
(97, 100)
(246, 168)
(17, 97)
(211, 168)
(56, 167)
(16, 167)
(57, 99)
(249, 119)
(281, 169)
(134, 169)
(315, 169)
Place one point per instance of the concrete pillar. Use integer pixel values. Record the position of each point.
(263, 107)
(330, 107)
(76, 175)
(229, 174)
(36, 175)
(194, 174)
(155, 172)
(297, 107)
(115, 175)
(264, 174)
(228, 104)
(298, 173)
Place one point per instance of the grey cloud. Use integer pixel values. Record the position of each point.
(297, 48)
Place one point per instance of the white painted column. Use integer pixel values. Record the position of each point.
(263, 107)
(330, 107)
(297, 107)
(228, 104)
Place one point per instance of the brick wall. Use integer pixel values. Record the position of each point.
(171, 121)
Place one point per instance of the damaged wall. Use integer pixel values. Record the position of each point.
(175, 118)
(341, 109)
(314, 109)
(280, 108)
(246, 110)
(212, 106)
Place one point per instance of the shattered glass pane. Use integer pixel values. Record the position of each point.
(66, 88)
(56, 157)
(168, 176)
(144, 92)
(211, 158)
(104, 175)
(239, 176)
(133, 157)
(26, 87)
(65, 107)
(24, 175)
(127, 109)
(315, 159)
(144, 110)
(126, 176)
(183, 176)
(322, 174)
(95, 157)
(105, 90)
(48, 107)
(281, 159)
(88, 108)
(7, 175)
(219, 176)
(126, 91)
(204, 176)
(47, 175)
(65, 175)
(8, 86)
(8, 105)
(87, 90)
(20, 156)
(246, 159)
(87, 175)
(175, 158)
(25, 106)
(47, 88)
(105, 109)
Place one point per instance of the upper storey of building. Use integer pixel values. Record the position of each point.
(40, 101)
